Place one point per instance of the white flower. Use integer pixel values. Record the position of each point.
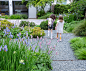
(21, 61)
(14, 52)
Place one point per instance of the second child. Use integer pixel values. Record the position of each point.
(59, 26)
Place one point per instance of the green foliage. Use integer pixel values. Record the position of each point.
(37, 26)
(80, 30)
(70, 26)
(37, 31)
(54, 24)
(15, 31)
(47, 15)
(24, 23)
(78, 7)
(32, 24)
(81, 54)
(6, 17)
(17, 56)
(5, 23)
(75, 39)
(61, 8)
(18, 16)
(44, 25)
(40, 13)
(77, 43)
(70, 17)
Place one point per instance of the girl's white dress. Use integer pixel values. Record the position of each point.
(59, 28)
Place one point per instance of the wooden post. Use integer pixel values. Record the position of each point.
(52, 8)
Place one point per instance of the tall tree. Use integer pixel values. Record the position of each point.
(41, 3)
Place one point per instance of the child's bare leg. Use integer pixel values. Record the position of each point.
(48, 31)
(51, 33)
(60, 36)
(57, 36)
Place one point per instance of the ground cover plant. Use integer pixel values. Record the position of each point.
(78, 45)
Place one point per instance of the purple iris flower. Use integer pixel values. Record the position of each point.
(33, 49)
(5, 48)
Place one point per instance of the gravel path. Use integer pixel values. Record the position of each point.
(65, 60)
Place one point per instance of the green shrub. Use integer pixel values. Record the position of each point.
(81, 53)
(37, 31)
(24, 16)
(54, 24)
(44, 25)
(16, 16)
(15, 31)
(61, 8)
(6, 17)
(32, 24)
(80, 30)
(24, 23)
(70, 26)
(77, 43)
(4, 24)
(19, 16)
(28, 29)
(75, 39)
(45, 16)
(40, 13)
(79, 8)
(70, 17)
(37, 26)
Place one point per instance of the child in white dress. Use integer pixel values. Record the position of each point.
(51, 20)
(59, 26)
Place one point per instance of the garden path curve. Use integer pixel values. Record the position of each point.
(63, 56)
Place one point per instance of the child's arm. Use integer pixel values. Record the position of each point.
(56, 24)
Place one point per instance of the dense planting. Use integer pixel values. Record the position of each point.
(78, 45)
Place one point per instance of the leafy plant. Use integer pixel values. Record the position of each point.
(32, 24)
(4, 24)
(37, 31)
(24, 23)
(18, 55)
(44, 25)
(80, 30)
(47, 15)
(81, 53)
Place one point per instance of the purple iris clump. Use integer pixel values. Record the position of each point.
(33, 49)
(5, 48)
